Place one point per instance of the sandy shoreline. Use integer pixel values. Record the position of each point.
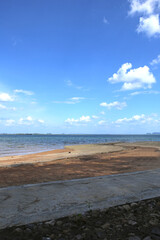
(79, 161)
(67, 152)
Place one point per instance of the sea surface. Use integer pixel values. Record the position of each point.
(24, 144)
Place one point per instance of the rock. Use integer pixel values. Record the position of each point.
(52, 236)
(79, 237)
(147, 238)
(154, 237)
(46, 238)
(100, 233)
(18, 230)
(31, 226)
(27, 230)
(133, 205)
(153, 222)
(155, 233)
(126, 207)
(106, 225)
(134, 238)
(131, 222)
(51, 222)
(59, 223)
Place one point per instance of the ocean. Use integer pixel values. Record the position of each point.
(20, 144)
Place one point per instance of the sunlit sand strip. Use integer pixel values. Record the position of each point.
(69, 151)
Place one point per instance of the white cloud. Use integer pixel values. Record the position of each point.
(2, 106)
(9, 122)
(7, 108)
(26, 121)
(69, 83)
(23, 91)
(83, 119)
(156, 60)
(149, 25)
(72, 100)
(95, 117)
(103, 113)
(77, 98)
(102, 122)
(64, 102)
(144, 92)
(145, 7)
(40, 121)
(149, 20)
(140, 119)
(116, 104)
(5, 97)
(133, 78)
(29, 118)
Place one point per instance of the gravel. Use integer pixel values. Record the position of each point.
(135, 221)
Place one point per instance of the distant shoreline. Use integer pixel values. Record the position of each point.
(83, 134)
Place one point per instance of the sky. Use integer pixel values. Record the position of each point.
(80, 66)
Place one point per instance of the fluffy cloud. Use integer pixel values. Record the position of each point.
(137, 119)
(83, 119)
(149, 20)
(23, 91)
(29, 121)
(144, 7)
(116, 104)
(155, 61)
(133, 78)
(149, 25)
(25, 121)
(5, 97)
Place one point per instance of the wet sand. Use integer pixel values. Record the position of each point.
(79, 161)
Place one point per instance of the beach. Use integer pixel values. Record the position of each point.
(79, 161)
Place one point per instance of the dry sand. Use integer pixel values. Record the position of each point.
(79, 161)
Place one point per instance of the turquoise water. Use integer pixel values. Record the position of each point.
(24, 144)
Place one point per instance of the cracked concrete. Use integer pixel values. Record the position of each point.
(41, 202)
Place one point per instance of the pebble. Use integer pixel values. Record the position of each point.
(126, 207)
(133, 223)
(134, 238)
(18, 230)
(106, 225)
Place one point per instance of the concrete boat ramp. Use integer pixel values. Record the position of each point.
(25, 204)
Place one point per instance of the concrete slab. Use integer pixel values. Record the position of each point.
(41, 202)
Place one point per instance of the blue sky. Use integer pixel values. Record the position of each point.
(80, 66)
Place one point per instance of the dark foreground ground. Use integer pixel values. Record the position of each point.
(135, 221)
